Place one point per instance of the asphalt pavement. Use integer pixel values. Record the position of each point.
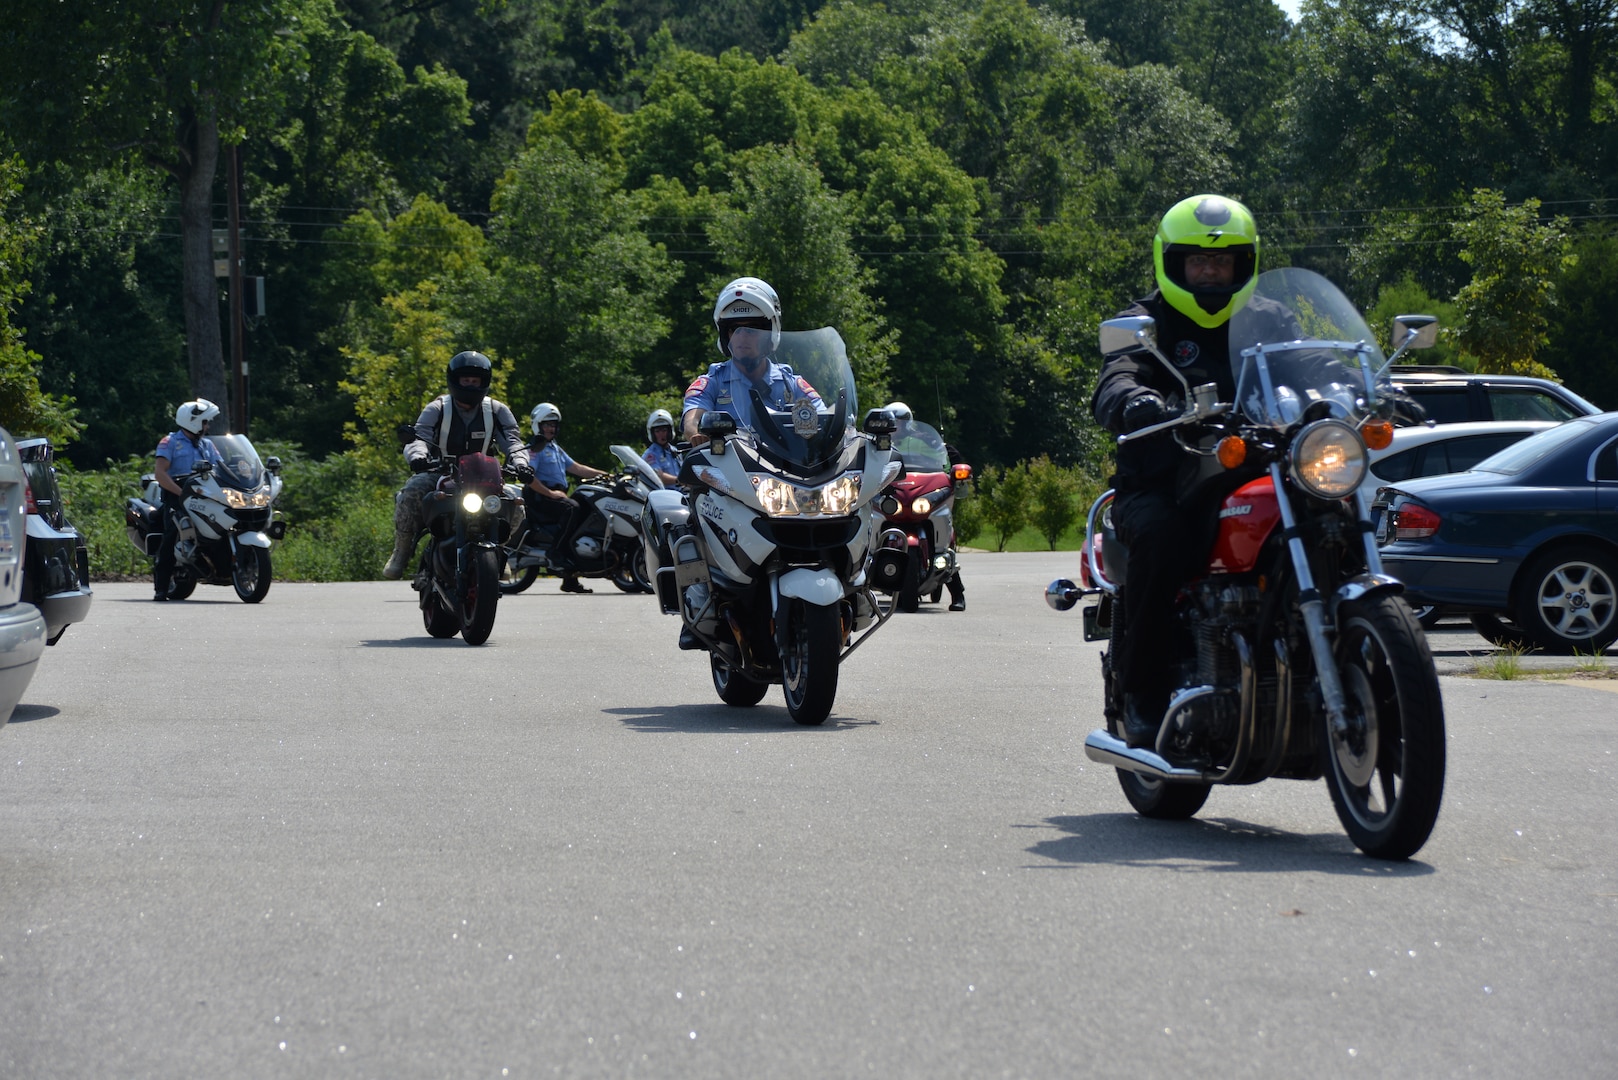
(302, 839)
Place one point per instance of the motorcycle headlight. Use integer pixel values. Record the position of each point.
(1328, 459)
(922, 506)
(471, 502)
(491, 504)
(782, 499)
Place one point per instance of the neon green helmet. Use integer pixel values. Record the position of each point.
(1206, 223)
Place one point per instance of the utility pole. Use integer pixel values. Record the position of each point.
(238, 365)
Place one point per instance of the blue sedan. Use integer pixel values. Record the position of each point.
(1528, 538)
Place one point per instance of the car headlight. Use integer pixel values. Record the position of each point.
(1328, 459)
(782, 499)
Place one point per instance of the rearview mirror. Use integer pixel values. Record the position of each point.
(203, 468)
(1129, 333)
(273, 463)
(1424, 327)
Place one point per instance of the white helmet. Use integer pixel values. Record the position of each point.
(542, 412)
(659, 418)
(194, 414)
(747, 298)
(901, 412)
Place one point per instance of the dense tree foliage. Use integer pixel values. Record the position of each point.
(963, 187)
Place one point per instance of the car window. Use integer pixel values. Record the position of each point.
(1444, 404)
(1519, 456)
(1607, 463)
(1400, 466)
(1527, 403)
(1467, 452)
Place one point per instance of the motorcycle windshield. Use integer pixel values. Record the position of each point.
(239, 465)
(1304, 354)
(808, 434)
(921, 447)
(478, 469)
(637, 465)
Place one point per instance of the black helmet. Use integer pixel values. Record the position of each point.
(469, 363)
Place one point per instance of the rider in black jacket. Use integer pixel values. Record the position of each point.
(1206, 260)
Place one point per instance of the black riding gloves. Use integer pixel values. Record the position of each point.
(1144, 410)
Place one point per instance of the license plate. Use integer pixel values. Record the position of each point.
(1098, 622)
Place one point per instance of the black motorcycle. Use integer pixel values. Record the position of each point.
(466, 521)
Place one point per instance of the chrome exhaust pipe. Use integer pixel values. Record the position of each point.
(1106, 749)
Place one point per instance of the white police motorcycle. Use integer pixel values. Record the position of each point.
(226, 527)
(767, 566)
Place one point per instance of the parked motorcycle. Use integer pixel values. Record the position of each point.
(458, 576)
(1296, 655)
(916, 555)
(606, 544)
(767, 566)
(227, 526)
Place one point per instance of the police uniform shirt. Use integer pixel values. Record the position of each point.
(550, 464)
(726, 389)
(662, 458)
(183, 454)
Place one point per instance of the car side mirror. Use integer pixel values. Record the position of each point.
(273, 464)
(1424, 327)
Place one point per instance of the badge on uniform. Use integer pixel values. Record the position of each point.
(805, 421)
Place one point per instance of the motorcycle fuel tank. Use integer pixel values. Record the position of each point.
(1247, 516)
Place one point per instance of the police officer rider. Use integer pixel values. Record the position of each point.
(177, 455)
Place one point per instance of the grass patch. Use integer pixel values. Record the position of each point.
(1504, 665)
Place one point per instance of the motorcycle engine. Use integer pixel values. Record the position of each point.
(587, 547)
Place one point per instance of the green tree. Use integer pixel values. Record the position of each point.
(574, 290)
(1579, 345)
(164, 84)
(1515, 261)
(1003, 499)
(1053, 499)
(25, 409)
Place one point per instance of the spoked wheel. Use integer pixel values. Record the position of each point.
(479, 596)
(251, 574)
(814, 637)
(1385, 767)
(734, 687)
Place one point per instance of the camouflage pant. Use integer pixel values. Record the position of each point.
(407, 516)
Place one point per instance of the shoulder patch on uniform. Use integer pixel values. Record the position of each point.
(804, 385)
(698, 385)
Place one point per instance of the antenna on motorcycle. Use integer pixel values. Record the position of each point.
(880, 424)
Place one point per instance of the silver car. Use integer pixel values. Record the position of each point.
(22, 627)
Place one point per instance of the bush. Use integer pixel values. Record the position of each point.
(968, 516)
(1005, 496)
(94, 503)
(350, 546)
(1053, 499)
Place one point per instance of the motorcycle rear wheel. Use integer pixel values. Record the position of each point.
(251, 574)
(516, 581)
(1160, 799)
(1385, 770)
(735, 688)
(623, 576)
(814, 638)
(480, 595)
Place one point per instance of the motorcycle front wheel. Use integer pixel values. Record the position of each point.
(1385, 768)
(735, 688)
(251, 574)
(480, 594)
(814, 639)
(180, 588)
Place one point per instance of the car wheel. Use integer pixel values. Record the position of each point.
(1567, 600)
(1500, 632)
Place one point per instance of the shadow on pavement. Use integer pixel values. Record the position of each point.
(24, 713)
(723, 719)
(1206, 846)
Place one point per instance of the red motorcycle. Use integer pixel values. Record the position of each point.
(1294, 655)
(916, 553)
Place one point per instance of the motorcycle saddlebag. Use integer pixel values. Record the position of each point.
(143, 523)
